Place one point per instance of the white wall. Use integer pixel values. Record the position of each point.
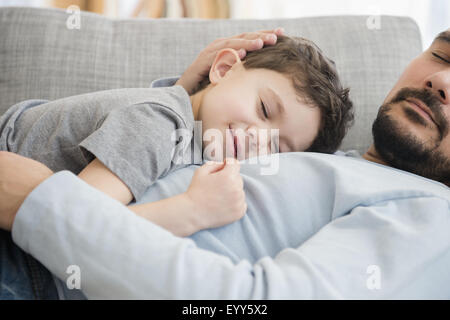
(21, 3)
(432, 16)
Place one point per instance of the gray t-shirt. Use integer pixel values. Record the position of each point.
(130, 130)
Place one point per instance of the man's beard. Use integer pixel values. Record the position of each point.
(401, 149)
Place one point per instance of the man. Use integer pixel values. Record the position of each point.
(411, 130)
(403, 231)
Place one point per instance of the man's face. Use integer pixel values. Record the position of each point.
(411, 131)
(247, 101)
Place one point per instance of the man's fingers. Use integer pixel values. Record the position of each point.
(242, 53)
(248, 41)
(236, 44)
(18, 177)
(256, 35)
(278, 31)
(266, 38)
(253, 35)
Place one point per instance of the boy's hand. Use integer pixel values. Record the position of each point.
(217, 194)
(242, 43)
(18, 177)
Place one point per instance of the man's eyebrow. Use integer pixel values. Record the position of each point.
(278, 101)
(444, 36)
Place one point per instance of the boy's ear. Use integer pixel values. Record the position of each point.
(224, 61)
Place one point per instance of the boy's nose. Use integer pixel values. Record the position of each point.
(260, 140)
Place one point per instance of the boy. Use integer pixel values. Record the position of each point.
(120, 141)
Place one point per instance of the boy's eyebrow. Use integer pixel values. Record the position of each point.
(278, 101)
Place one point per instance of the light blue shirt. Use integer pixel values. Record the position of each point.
(322, 227)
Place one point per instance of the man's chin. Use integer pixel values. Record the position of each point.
(405, 151)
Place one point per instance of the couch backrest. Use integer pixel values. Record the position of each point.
(41, 58)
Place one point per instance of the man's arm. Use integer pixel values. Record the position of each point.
(175, 214)
(138, 259)
(18, 177)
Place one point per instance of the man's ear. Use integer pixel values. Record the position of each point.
(224, 61)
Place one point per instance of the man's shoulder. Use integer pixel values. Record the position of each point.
(352, 174)
(348, 153)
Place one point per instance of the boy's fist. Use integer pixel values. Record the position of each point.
(217, 193)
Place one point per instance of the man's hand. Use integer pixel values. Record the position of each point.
(18, 177)
(242, 43)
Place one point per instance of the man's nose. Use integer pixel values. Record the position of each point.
(439, 84)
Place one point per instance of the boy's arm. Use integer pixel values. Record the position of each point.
(211, 200)
(176, 214)
(99, 176)
(214, 198)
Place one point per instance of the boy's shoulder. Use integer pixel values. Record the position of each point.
(169, 95)
(174, 98)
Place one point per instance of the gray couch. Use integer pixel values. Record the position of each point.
(41, 58)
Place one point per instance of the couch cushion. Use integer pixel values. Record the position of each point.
(41, 58)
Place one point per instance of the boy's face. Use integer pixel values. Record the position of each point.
(234, 104)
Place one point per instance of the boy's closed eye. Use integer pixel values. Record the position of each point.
(265, 114)
(264, 110)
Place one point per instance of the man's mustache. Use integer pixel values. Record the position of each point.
(430, 100)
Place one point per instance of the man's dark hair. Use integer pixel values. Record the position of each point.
(316, 82)
(444, 36)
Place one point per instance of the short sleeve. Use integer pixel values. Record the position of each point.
(136, 143)
(164, 82)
